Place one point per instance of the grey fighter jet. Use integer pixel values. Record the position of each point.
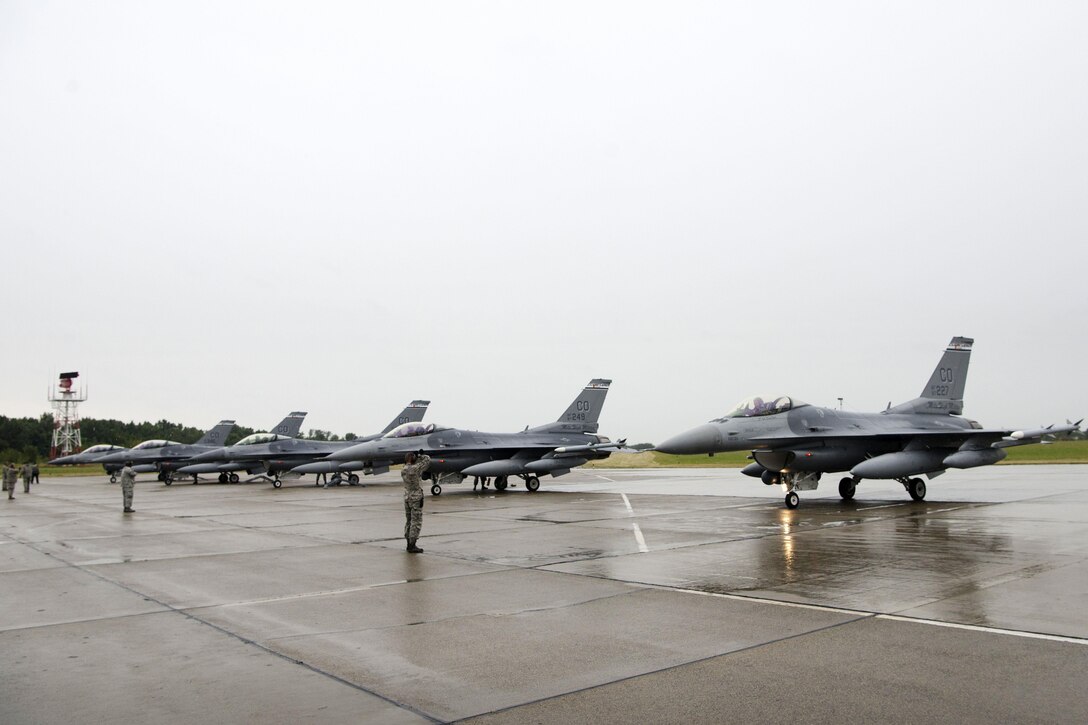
(794, 443)
(94, 454)
(275, 455)
(222, 459)
(455, 453)
(88, 455)
(166, 457)
(341, 470)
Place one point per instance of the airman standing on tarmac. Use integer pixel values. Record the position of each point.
(128, 482)
(28, 473)
(412, 475)
(10, 476)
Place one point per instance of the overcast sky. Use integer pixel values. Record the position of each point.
(234, 210)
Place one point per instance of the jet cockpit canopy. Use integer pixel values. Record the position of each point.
(760, 405)
(408, 430)
(148, 445)
(256, 438)
(102, 448)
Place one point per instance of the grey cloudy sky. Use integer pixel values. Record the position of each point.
(227, 209)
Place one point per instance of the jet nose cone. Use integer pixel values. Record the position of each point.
(704, 439)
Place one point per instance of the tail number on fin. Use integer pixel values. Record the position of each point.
(581, 410)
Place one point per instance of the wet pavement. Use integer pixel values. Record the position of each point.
(610, 595)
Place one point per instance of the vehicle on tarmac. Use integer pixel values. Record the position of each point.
(456, 453)
(225, 461)
(93, 454)
(793, 443)
(275, 455)
(166, 457)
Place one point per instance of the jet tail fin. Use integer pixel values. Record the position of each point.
(217, 435)
(582, 414)
(943, 394)
(412, 414)
(291, 425)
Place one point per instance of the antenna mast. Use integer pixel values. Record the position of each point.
(65, 400)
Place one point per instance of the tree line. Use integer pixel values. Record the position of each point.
(29, 439)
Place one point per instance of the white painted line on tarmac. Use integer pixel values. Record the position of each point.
(890, 617)
(610, 480)
(775, 602)
(307, 595)
(640, 539)
(989, 630)
(627, 503)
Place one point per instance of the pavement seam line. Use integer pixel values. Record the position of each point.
(245, 640)
(696, 661)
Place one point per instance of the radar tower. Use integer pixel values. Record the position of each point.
(65, 400)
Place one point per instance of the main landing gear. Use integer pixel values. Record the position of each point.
(338, 479)
(166, 477)
(847, 487)
(916, 487)
(532, 483)
(229, 478)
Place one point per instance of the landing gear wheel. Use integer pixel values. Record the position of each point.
(276, 483)
(792, 500)
(436, 490)
(847, 487)
(223, 478)
(113, 478)
(161, 476)
(234, 478)
(916, 487)
(353, 479)
(500, 483)
(532, 483)
(168, 480)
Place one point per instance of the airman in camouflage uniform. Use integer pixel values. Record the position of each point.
(412, 475)
(10, 477)
(28, 473)
(128, 482)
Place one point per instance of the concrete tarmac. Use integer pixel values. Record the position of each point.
(608, 596)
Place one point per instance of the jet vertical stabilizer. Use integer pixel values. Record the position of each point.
(582, 414)
(943, 394)
(217, 436)
(412, 414)
(291, 425)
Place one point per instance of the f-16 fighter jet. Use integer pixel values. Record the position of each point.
(222, 460)
(456, 453)
(89, 455)
(94, 454)
(274, 455)
(794, 443)
(167, 456)
(341, 470)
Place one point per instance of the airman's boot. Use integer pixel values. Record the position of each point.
(412, 548)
